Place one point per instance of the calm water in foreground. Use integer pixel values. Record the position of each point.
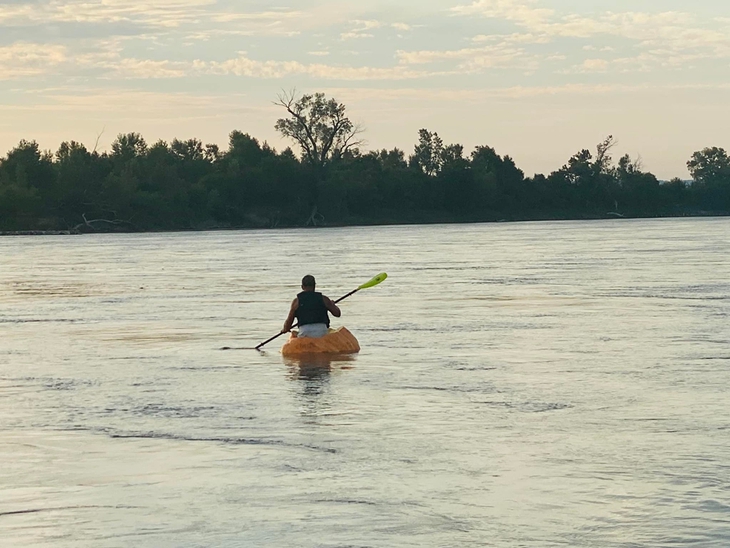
(532, 385)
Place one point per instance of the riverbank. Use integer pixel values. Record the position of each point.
(384, 220)
(39, 232)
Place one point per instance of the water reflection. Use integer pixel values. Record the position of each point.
(313, 373)
(314, 367)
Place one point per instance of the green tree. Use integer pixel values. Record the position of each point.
(79, 175)
(319, 126)
(323, 131)
(709, 166)
(27, 182)
(640, 191)
(244, 150)
(128, 146)
(428, 153)
(675, 194)
(710, 169)
(593, 188)
(498, 181)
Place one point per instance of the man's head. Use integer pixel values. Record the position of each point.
(308, 282)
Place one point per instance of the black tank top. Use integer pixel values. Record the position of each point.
(311, 309)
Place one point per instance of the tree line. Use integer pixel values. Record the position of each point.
(330, 180)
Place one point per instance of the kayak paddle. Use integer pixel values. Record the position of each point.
(371, 283)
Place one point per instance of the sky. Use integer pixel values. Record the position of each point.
(536, 79)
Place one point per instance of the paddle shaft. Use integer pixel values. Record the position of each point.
(267, 341)
(350, 293)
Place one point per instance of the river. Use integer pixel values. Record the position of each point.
(520, 384)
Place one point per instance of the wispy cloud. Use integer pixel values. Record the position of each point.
(24, 59)
(245, 66)
(355, 35)
(484, 52)
(146, 68)
(514, 38)
(441, 95)
(666, 38)
(269, 16)
(521, 11)
(361, 29)
(469, 59)
(206, 16)
(135, 100)
(156, 13)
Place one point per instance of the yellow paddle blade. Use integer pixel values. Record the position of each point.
(375, 281)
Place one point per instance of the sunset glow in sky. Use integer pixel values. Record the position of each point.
(536, 79)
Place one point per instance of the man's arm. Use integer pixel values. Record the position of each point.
(332, 307)
(290, 318)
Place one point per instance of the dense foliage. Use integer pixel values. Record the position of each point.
(188, 185)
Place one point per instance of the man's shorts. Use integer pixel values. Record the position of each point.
(313, 330)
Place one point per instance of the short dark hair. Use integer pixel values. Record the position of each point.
(308, 281)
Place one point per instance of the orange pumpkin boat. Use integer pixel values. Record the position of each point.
(337, 341)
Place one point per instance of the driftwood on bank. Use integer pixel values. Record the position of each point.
(314, 217)
(90, 223)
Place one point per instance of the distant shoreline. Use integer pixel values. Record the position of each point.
(188, 186)
(607, 217)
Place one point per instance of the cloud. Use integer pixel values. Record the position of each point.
(193, 38)
(520, 11)
(549, 22)
(270, 16)
(136, 100)
(443, 96)
(211, 34)
(667, 38)
(355, 35)
(146, 68)
(11, 12)
(24, 59)
(367, 24)
(244, 66)
(595, 65)
(642, 62)
(361, 29)
(469, 59)
(514, 38)
(107, 60)
(156, 13)
(601, 89)
(160, 14)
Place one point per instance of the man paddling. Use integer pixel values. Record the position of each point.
(310, 309)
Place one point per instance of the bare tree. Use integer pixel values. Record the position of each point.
(96, 144)
(603, 158)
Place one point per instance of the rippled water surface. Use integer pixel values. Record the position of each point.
(532, 385)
